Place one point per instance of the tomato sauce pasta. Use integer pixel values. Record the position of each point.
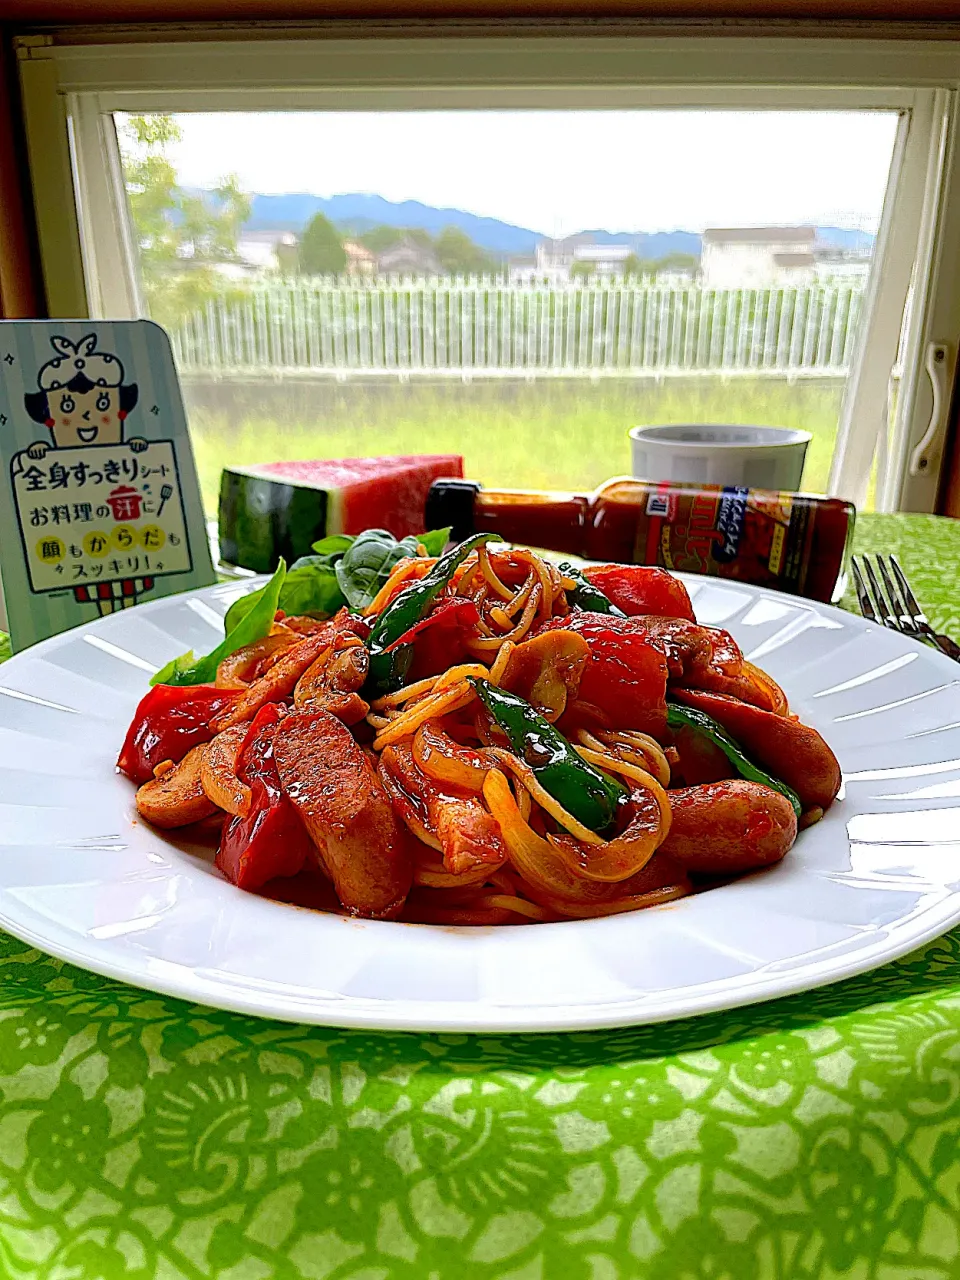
(493, 739)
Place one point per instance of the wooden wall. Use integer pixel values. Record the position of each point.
(21, 292)
(102, 11)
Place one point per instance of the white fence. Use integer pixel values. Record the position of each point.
(488, 328)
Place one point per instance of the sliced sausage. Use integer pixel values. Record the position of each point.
(344, 807)
(728, 827)
(791, 751)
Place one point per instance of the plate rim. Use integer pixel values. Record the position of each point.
(713, 1001)
(397, 1015)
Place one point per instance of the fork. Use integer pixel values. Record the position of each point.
(884, 595)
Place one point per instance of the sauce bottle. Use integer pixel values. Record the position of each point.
(789, 541)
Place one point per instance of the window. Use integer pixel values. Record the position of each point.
(452, 246)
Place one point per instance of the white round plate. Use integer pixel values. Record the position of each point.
(80, 877)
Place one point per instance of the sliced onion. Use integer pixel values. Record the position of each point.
(538, 862)
(389, 769)
(623, 856)
(404, 571)
(777, 698)
(432, 879)
(615, 906)
(510, 902)
(447, 761)
(528, 779)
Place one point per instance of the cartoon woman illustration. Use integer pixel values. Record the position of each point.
(83, 400)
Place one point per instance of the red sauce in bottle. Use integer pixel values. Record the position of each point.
(792, 542)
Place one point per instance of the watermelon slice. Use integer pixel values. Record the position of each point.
(280, 508)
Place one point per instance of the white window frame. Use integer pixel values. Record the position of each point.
(71, 89)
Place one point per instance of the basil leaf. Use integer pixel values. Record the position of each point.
(335, 544)
(366, 566)
(188, 670)
(177, 671)
(309, 587)
(240, 608)
(332, 547)
(313, 583)
(434, 540)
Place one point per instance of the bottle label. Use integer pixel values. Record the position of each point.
(731, 517)
(729, 532)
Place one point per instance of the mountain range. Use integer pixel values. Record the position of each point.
(357, 213)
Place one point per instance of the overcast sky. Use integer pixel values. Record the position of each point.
(559, 172)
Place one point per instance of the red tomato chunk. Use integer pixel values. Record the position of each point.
(167, 723)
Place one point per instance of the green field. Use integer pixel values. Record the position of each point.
(569, 433)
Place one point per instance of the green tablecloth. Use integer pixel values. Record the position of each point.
(812, 1137)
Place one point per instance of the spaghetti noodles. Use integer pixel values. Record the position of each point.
(475, 749)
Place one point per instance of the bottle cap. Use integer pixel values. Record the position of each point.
(450, 502)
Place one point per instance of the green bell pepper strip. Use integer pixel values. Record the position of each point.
(586, 793)
(585, 595)
(388, 670)
(679, 717)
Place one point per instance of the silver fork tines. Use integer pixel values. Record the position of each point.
(908, 622)
(863, 595)
(893, 603)
(909, 598)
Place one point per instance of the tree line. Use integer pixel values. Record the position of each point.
(186, 239)
(321, 248)
(634, 266)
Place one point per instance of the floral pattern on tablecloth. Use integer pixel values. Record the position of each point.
(803, 1139)
(810, 1137)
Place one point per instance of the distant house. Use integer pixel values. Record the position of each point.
(407, 257)
(257, 250)
(522, 269)
(603, 259)
(843, 266)
(754, 257)
(360, 261)
(555, 259)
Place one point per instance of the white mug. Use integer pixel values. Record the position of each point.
(754, 457)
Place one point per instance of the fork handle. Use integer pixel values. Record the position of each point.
(946, 645)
